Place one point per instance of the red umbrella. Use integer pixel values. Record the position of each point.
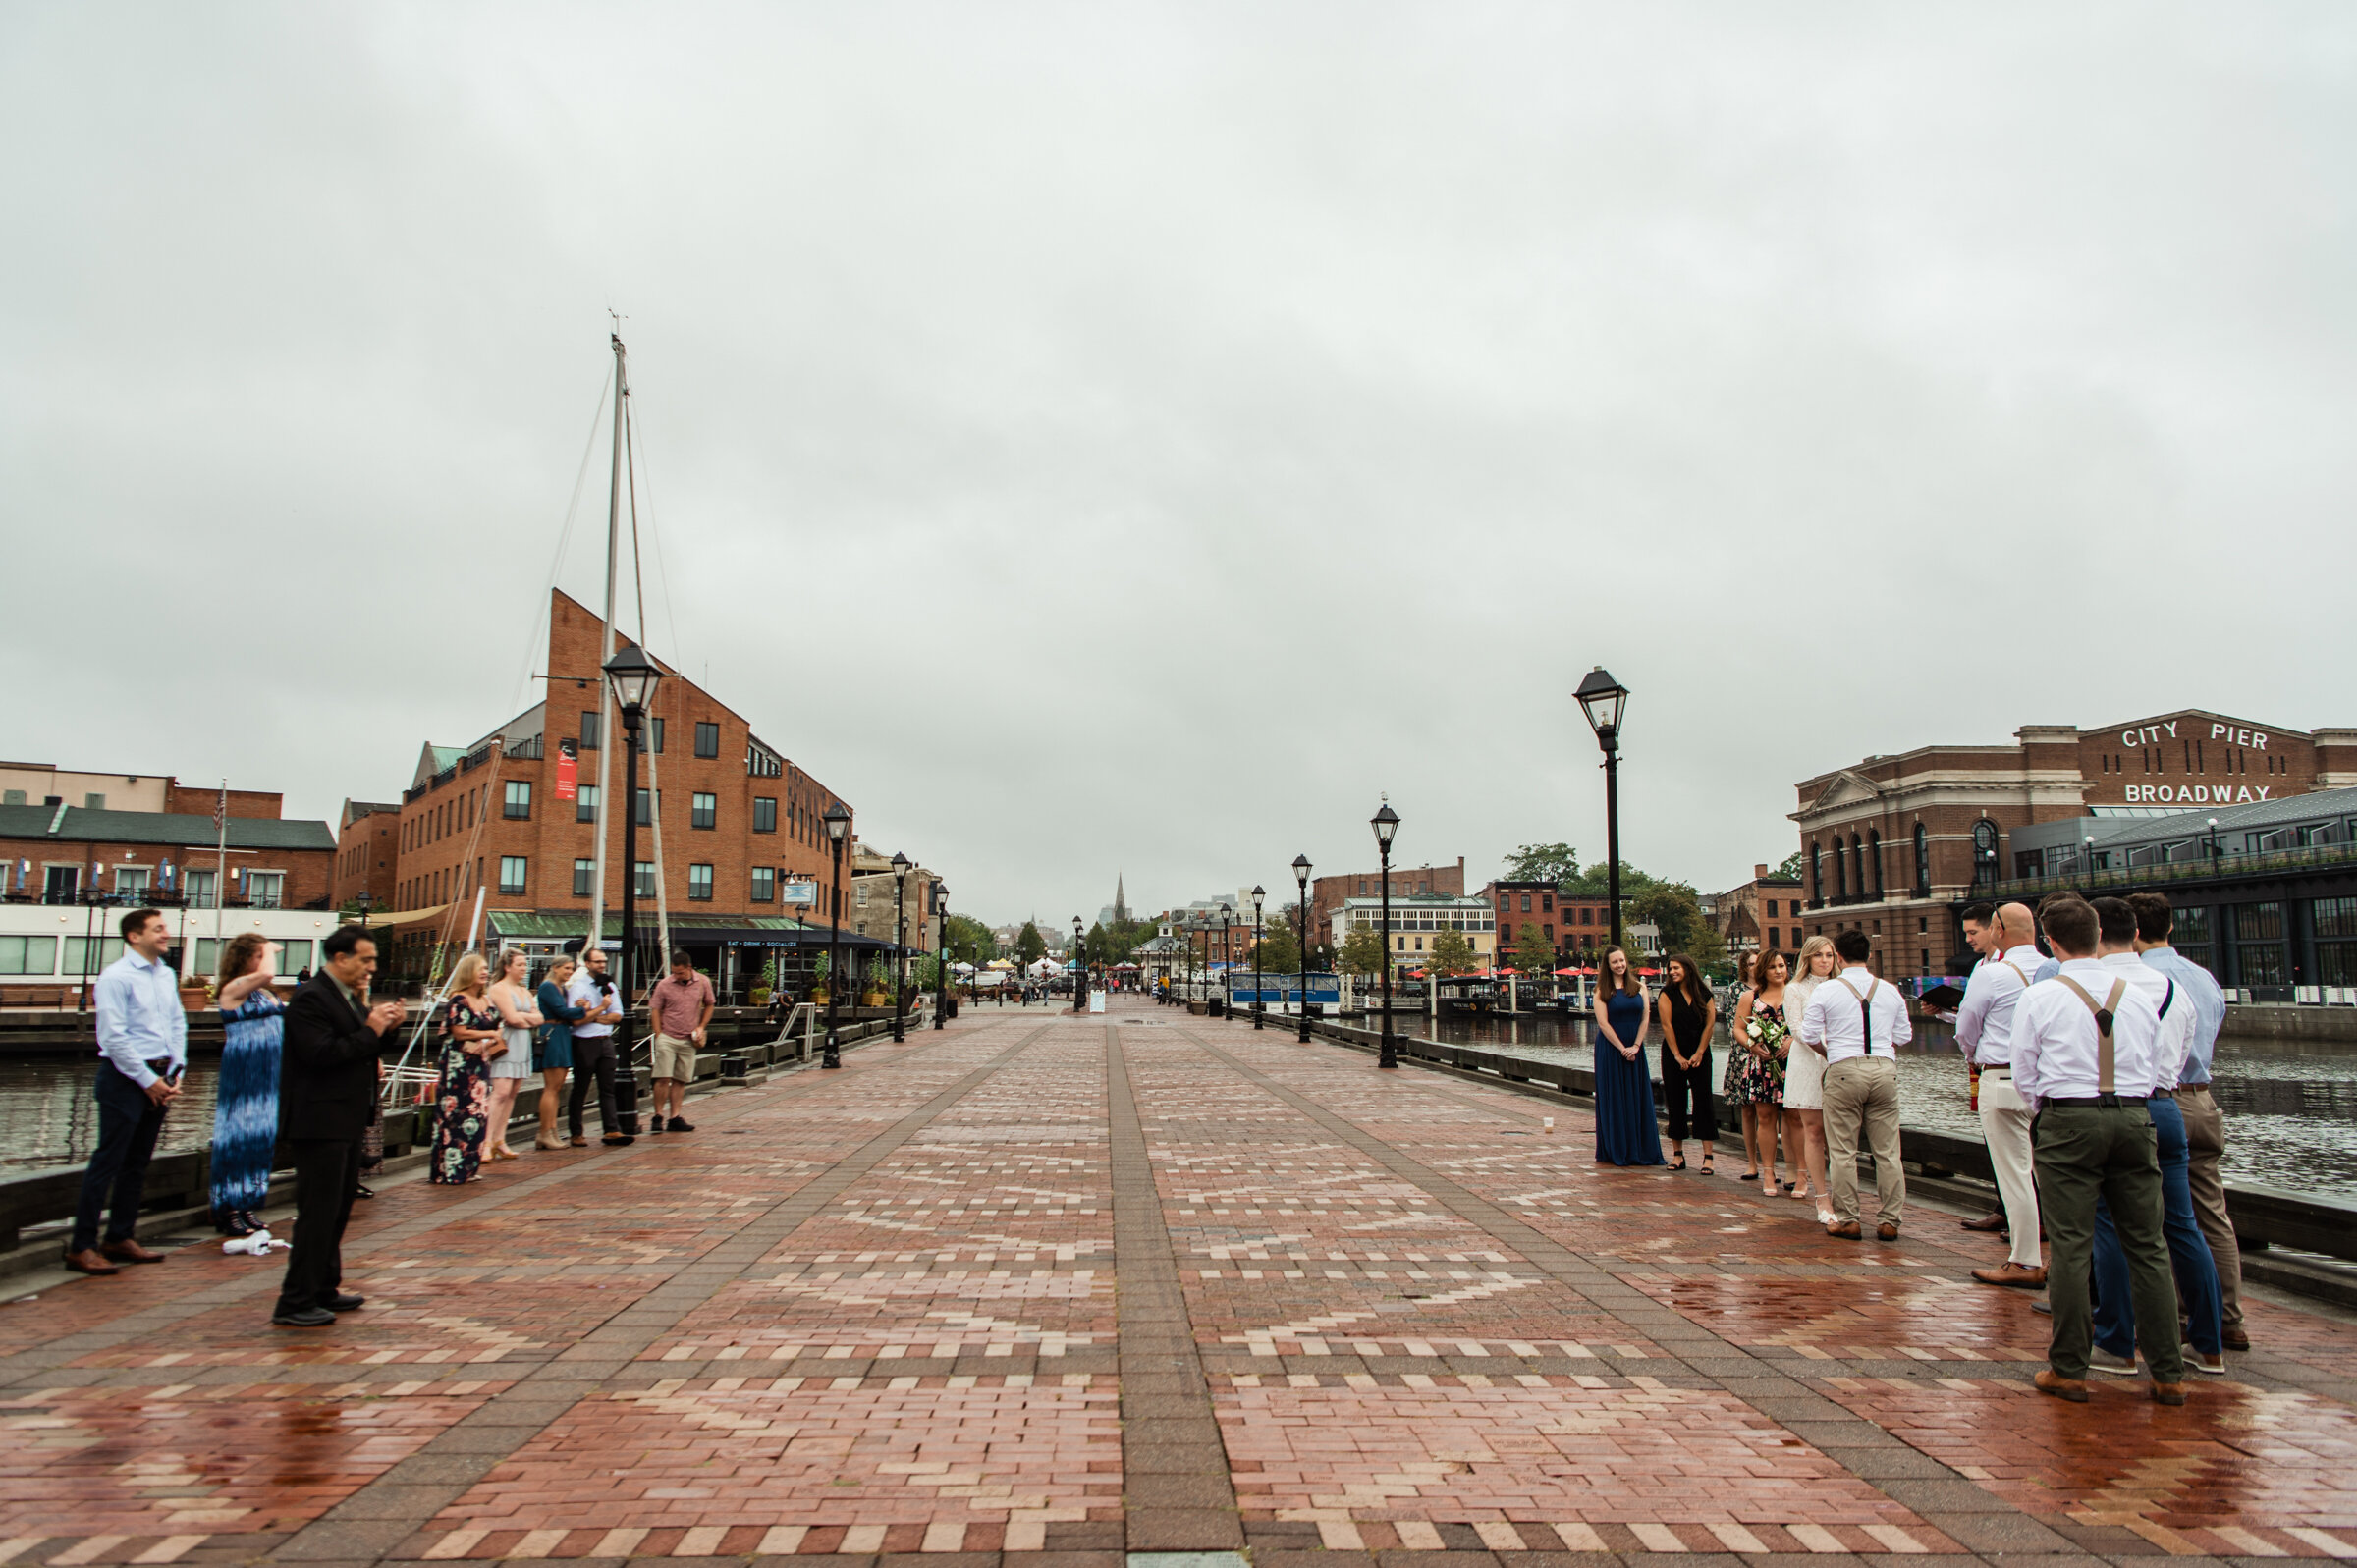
(1560, 973)
(1649, 971)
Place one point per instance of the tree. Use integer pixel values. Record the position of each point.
(1534, 951)
(1452, 953)
(1541, 862)
(1676, 908)
(1362, 952)
(1789, 871)
(1592, 883)
(1279, 953)
(1029, 944)
(968, 940)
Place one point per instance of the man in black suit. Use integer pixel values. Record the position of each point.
(327, 1084)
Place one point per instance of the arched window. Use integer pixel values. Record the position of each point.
(1857, 856)
(1923, 864)
(1816, 873)
(1840, 871)
(1874, 845)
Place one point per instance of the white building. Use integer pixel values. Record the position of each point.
(45, 946)
(1416, 919)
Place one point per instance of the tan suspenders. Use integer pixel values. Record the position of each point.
(2102, 1029)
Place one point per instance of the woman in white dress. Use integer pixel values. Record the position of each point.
(1804, 1077)
(518, 1015)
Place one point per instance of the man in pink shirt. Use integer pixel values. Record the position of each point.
(678, 1009)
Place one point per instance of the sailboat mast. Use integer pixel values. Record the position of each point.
(605, 690)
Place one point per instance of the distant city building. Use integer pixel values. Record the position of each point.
(1416, 920)
(1762, 915)
(1326, 894)
(367, 853)
(873, 891)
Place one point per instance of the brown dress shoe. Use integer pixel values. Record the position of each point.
(2236, 1340)
(2051, 1381)
(2168, 1393)
(577, 1143)
(131, 1252)
(2014, 1274)
(90, 1260)
(1886, 1231)
(1842, 1231)
(1995, 1222)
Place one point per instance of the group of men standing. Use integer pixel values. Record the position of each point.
(2093, 1069)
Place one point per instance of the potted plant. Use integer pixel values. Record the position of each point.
(879, 984)
(818, 981)
(766, 985)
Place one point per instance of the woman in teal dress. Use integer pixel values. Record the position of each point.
(1627, 1133)
(245, 1099)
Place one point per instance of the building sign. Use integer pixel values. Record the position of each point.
(2196, 794)
(568, 764)
(798, 893)
(2231, 734)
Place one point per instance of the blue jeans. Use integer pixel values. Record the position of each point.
(2188, 1254)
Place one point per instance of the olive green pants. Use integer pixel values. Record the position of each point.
(2108, 1152)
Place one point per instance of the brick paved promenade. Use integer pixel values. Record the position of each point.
(1057, 1287)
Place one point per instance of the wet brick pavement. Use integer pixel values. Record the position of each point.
(1052, 1289)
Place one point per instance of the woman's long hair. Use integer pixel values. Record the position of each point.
(239, 953)
(1629, 983)
(467, 974)
(1695, 991)
(1809, 949)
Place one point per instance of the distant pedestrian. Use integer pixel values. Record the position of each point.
(246, 1093)
(1689, 1017)
(2205, 1127)
(1804, 1079)
(470, 1038)
(328, 1078)
(1755, 1067)
(592, 991)
(2005, 940)
(510, 997)
(2084, 1047)
(553, 1053)
(1858, 1023)
(678, 1010)
(1627, 1133)
(142, 1049)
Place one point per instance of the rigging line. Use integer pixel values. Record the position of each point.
(654, 814)
(654, 526)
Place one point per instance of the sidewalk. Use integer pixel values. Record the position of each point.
(1039, 1285)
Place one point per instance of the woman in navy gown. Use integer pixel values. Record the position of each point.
(1627, 1133)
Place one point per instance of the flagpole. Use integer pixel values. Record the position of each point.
(220, 864)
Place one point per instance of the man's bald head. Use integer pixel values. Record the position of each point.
(2019, 924)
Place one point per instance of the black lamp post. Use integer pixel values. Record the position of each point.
(1386, 823)
(2213, 846)
(941, 978)
(1602, 699)
(364, 900)
(839, 821)
(1079, 967)
(1259, 895)
(1301, 914)
(1226, 957)
(633, 677)
(900, 864)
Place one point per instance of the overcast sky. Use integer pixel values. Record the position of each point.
(1105, 438)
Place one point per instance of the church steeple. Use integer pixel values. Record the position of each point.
(1121, 904)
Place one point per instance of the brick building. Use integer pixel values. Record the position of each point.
(1890, 845)
(1579, 926)
(1762, 915)
(1326, 894)
(515, 813)
(56, 854)
(367, 849)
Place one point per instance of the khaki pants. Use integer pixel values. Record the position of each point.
(2206, 1142)
(2107, 1151)
(2005, 1124)
(1861, 1104)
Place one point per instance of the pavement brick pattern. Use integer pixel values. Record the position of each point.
(1050, 1290)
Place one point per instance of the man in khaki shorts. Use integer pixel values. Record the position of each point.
(678, 1009)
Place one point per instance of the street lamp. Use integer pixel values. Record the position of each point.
(941, 954)
(1386, 823)
(839, 821)
(1259, 895)
(1301, 918)
(900, 864)
(633, 677)
(2213, 846)
(1226, 957)
(1602, 699)
(1079, 967)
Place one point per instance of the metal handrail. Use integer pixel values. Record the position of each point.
(2205, 867)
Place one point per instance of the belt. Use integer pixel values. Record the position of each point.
(2165, 1093)
(2003, 1069)
(2091, 1101)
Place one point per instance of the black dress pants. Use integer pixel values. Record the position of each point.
(127, 1124)
(327, 1176)
(1684, 1085)
(592, 1058)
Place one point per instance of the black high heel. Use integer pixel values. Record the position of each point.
(363, 1191)
(1680, 1162)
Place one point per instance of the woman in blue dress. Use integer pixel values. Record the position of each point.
(1627, 1133)
(246, 1102)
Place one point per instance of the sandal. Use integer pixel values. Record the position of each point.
(1706, 1161)
(1678, 1162)
(1751, 1175)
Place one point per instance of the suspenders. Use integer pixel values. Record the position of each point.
(1865, 1011)
(2105, 1088)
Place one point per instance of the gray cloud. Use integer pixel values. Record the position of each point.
(1105, 439)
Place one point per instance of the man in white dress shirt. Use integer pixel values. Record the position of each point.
(2005, 940)
(143, 1051)
(1857, 1022)
(2085, 1043)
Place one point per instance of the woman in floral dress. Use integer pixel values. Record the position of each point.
(245, 1100)
(462, 1098)
(1757, 1074)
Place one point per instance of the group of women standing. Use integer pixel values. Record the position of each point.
(494, 1031)
(1777, 1082)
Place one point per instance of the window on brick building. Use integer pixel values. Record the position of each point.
(518, 800)
(707, 740)
(510, 876)
(1505, 933)
(1772, 908)
(654, 737)
(699, 884)
(646, 805)
(765, 884)
(584, 803)
(642, 880)
(1546, 902)
(765, 814)
(582, 871)
(1526, 904)
(589, 737)
(703, 811)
